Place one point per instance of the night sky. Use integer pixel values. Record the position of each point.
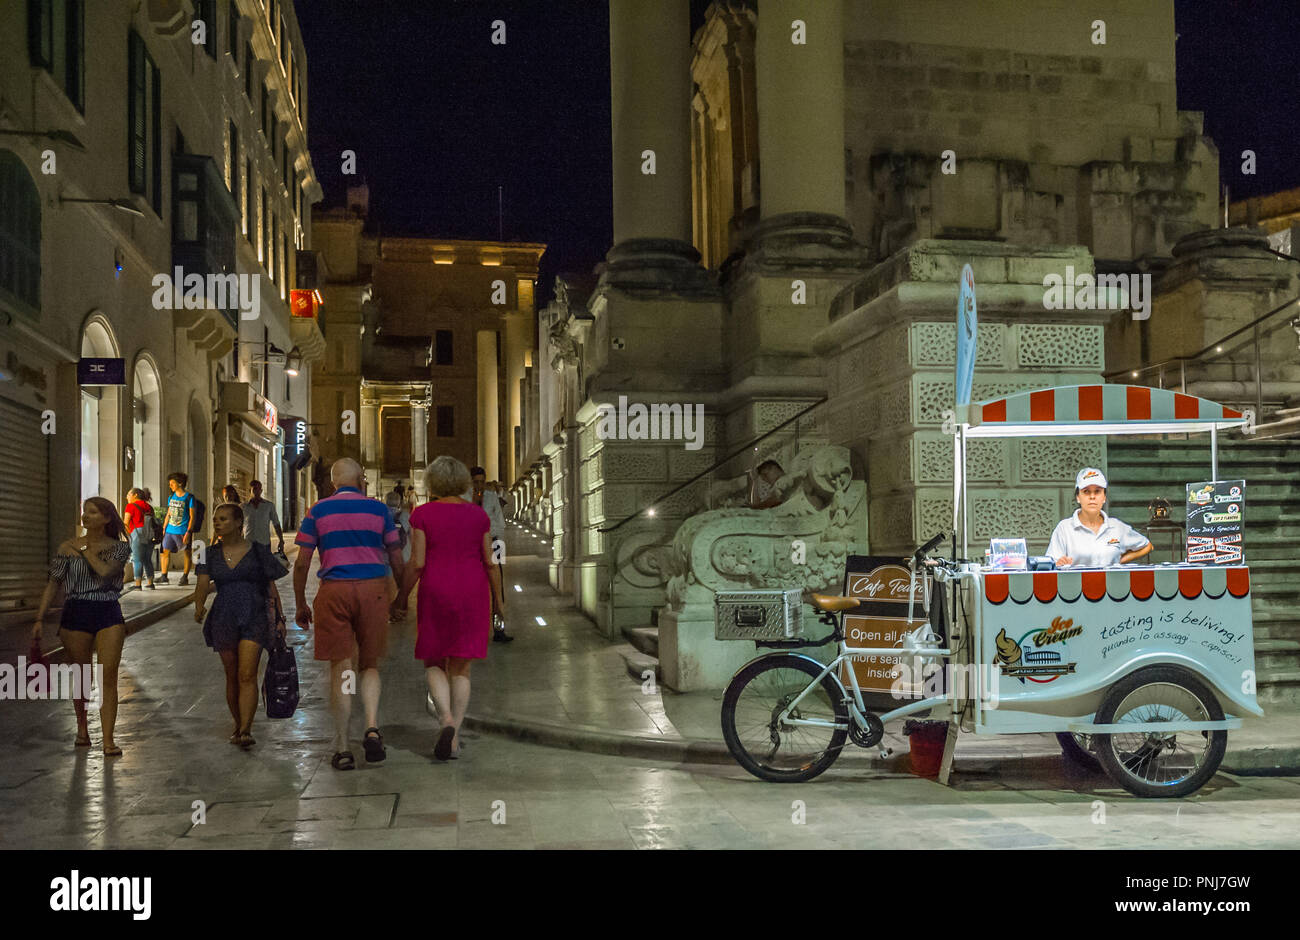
(439, 117)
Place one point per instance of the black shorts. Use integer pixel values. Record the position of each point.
(90, 616)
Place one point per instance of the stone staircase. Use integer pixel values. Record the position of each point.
(1141, 470)
(641, 651)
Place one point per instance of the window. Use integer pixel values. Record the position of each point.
(266, 112)
(442, 348)
(248, 72)
(271, 243)
(266, 230)
(284, 261)
(284, 46)
(285, 161)
(233, 26)
(234, 163)
(208, 14)
(20, 233)
(446, 421)
(250, 215)
(144, 123)
(56, 42)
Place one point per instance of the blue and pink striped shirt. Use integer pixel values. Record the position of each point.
(353, 533)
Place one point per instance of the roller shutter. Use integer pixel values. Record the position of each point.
(24, 502)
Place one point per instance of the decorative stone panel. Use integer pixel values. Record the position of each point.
(889, 408)
(770, 414)
(588, 442)
(617, 501)
(1060, 346)
(684, 464)
(891, 521)
(986, 460)
(681, 503)
(1006, 516)
(1051, 460)
(934, 514)
(636, 463)
(935, 344)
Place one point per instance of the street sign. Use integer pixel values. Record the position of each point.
(967, 330)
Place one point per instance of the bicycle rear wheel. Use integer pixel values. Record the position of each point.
(774, 750)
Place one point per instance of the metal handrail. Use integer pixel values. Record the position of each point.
(1182, 361)
(703, 473)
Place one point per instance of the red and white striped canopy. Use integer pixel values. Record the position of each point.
(1097, 409)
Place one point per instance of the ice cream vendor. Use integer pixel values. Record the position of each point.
(1090, 538)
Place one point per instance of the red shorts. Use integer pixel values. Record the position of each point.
(349, 616)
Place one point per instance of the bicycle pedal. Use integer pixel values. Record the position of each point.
(885, 752)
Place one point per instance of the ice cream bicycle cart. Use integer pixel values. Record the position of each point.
(1142, 669)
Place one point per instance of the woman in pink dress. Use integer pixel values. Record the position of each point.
(451, 559)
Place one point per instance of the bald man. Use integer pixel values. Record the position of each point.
(360, 568)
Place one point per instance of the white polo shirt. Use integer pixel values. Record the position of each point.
(1100, 549)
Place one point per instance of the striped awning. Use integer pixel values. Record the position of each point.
(1165, 584)
(1098, 409)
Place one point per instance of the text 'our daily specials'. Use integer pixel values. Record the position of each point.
(1215, 512)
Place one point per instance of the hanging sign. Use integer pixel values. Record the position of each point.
(967, 328)
(1215, 516)
(101, 372)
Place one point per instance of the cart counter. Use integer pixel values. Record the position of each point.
(1060, 638)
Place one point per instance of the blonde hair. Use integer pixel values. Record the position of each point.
(446, 476)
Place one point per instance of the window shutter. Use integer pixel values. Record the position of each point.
(233, 27)
(75, 62)
(40, 38)
(135, 112)
(156, 156)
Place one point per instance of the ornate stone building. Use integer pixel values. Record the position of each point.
(795, 194)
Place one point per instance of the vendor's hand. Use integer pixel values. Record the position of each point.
(1065, 560)
(302, 617)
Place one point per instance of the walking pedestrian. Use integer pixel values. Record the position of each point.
(260, 518)
(245, 612)
(486, 496)
(230, 494)
(354, 534)
(140, 523)
(460, 589)
(91, 569)
(182, 523)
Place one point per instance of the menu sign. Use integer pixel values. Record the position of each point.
(883, 584)
(1215, 512)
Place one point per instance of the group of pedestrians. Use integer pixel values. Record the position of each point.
(454, 567)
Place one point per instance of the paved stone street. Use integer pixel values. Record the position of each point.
(173, 726)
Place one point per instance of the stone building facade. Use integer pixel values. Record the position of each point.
(135, 138)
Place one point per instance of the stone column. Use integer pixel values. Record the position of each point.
(369, 434)
(650, 88)
(800, 91)
(419, 444)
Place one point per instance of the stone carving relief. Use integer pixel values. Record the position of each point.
(738, 548)
(935, 344)
(1053, 460)
(1060, 346)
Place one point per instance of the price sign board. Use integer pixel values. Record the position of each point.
(883, 584)
(1216, 512)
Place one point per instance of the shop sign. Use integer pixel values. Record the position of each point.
(1215, 517)
(269, 416)
(101, 372)
(303, 303)
(884, 585)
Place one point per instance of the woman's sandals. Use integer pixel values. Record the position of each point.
(373, 742)
(343, 760)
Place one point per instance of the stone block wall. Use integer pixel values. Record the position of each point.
(891, 354)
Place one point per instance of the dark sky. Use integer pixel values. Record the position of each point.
(440, 117)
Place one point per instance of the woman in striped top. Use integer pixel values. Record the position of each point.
(90, 568)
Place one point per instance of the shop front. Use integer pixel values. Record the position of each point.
(252, 439)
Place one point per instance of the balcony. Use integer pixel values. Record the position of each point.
(396, 358)
(203, 243)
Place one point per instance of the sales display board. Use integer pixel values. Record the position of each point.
(1215, 515)
(882, 583)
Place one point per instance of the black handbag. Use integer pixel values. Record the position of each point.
(280, 681)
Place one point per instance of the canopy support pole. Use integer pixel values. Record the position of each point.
(1214, 454)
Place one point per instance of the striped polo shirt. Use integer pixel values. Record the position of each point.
(352, 532)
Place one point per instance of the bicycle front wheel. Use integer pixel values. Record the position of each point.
(776, 750)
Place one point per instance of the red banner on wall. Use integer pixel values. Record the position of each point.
(302, 303)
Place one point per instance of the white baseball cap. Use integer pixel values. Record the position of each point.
(1090, 476)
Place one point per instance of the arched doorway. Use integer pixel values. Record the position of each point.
(100, 435)
(146, 428)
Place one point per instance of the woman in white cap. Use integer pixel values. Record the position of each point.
(1090, 538)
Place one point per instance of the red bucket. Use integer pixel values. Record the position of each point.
(926, 747)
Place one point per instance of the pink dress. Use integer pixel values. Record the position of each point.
(453, 610)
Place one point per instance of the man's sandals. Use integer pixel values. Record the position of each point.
(373, 742)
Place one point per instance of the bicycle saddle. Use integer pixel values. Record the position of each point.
(835, 604)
